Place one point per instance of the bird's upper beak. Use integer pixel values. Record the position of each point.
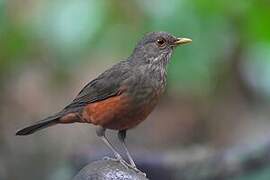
(180, 41)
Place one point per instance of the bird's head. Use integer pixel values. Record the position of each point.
(157, 47)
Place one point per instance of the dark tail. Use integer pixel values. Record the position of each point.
(52, 120)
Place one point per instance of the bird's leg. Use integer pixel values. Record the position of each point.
(101, 133)
(122, 137)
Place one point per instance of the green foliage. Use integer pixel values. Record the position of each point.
(69, 31)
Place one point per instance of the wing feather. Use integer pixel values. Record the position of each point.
(106, 85)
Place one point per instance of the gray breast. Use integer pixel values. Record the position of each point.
(150, 82)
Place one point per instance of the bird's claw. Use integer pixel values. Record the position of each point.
(136, 170)
(124, 163)
(133, 167)
(118, 158)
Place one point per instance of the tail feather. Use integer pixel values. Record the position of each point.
(38, 125)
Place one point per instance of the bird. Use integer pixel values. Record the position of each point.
(122, 96)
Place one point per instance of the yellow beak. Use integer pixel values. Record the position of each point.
(182, 41)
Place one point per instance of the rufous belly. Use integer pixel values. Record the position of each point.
(118, 112)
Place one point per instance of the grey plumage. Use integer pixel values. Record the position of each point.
(143, 75)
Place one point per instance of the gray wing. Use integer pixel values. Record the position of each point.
(106, 85)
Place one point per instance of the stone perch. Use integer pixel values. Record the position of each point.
(108, 170)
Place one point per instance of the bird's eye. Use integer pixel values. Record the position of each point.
(160, 42)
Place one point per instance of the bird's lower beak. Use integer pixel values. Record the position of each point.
(181, 41)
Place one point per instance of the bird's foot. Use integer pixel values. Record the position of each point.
(136, 169)
(106, 158)
(118, 158)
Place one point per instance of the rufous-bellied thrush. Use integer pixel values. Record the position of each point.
(122, 96)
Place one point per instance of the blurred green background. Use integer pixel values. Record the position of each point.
(218, 87)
